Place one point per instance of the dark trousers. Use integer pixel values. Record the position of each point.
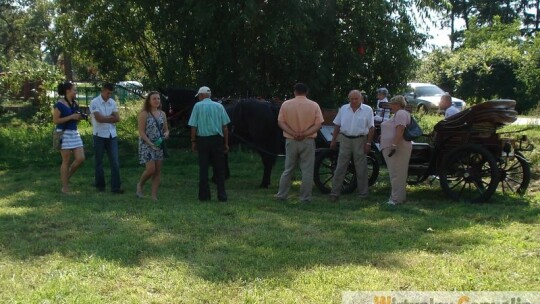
(109, 145)
(211, 151)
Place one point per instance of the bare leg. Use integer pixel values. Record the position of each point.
(64, 170)
(156, 178)
(79, 159)
(149, 171)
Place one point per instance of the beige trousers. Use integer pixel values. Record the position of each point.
(398, 166)
(300, 153)
(351, 148)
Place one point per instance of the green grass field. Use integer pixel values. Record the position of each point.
(101, 248)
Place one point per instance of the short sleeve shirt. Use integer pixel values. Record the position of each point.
(105, 108)
(354, 123)
(450, 111)
(66, 111)
(388, 128)
(208, 117)
(300, 113)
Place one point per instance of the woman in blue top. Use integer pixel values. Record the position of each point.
(66, 115)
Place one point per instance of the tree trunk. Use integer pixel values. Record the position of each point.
(68, 70)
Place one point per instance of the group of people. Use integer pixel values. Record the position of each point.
(300, 119)
(66, 116)
(354, 129)
(152, 126)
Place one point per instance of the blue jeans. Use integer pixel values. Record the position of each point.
(110, 145)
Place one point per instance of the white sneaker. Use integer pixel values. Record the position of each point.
(391, 203)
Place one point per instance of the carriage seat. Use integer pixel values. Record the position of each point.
(494, 112)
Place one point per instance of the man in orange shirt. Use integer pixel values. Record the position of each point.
(300, 119)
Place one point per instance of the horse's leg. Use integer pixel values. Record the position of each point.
(268, 163)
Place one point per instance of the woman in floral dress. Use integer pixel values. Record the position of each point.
(153, 130)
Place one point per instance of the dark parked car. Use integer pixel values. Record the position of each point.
(426, 97)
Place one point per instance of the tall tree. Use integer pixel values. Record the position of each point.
(484, 11)
(249, 47)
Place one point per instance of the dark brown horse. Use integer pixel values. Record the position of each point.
(254, 123)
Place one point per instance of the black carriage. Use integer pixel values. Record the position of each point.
(465, 153)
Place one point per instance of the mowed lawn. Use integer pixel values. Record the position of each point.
(102, 248)
(97, 247)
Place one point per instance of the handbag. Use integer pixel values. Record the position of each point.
(57, 139)
(162, 142)
(412, 131)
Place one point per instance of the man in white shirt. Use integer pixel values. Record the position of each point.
(446, 105)
(104, 118)
(354, 124)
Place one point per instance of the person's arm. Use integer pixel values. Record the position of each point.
(285, 127)
(193, 139)
(371, 132)
(313, 129)
(113, 118)
(369, 139)
(335, 134)
(226, 137)
(60, 120)
(399, 134)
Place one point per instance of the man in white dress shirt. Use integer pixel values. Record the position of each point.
(104, 118)
(354, 125)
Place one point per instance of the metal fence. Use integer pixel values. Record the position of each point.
(85, 95)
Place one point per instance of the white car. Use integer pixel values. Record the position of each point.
(426, 97)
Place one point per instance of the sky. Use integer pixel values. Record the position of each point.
(440, 36)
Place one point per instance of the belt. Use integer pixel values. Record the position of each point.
(353, 137)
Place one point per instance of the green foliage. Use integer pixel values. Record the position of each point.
(483, 13)
(29, 69)
(494, 62)
(246, 47)
(24, 26)
(529, 73)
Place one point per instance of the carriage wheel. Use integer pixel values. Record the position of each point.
(373, 168)
(415, 179)
(325, 165)
(515, 175)
(469, 173)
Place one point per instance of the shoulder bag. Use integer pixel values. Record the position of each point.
(161, 138)
(412, 131)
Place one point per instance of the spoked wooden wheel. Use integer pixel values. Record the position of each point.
(325, 165)
(515, 174)
(470, 173)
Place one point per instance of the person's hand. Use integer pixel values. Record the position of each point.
(166, 134)
(333, 144)
(299, 136)
(367, 148)
(76, 116)
(194, 146)
(226, 148)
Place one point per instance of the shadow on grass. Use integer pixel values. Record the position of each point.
(249, 237)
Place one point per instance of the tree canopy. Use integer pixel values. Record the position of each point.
(249, 47)
(494, 62)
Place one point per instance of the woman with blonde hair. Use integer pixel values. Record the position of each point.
(153, 130)
(66, 116)
(396, 150)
